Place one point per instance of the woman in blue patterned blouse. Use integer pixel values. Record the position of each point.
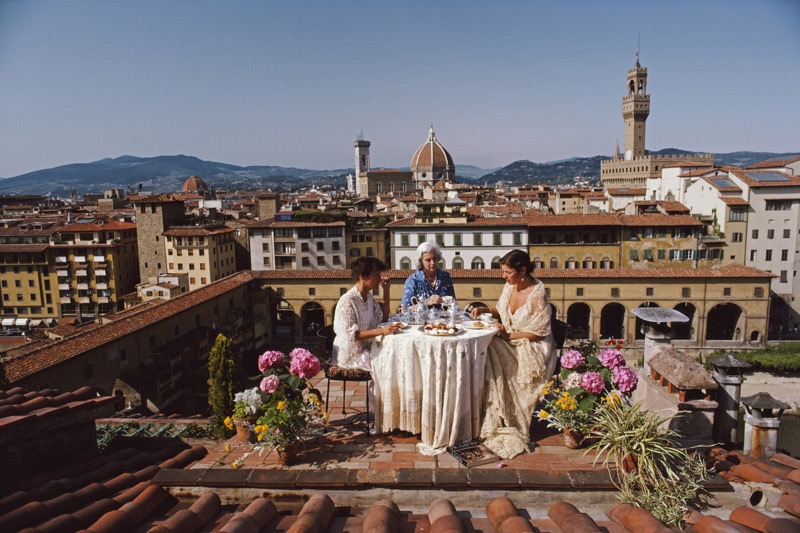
(429, 283)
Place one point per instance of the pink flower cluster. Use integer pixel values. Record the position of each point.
(270, 384)
(625, 379)
(593, 382)
(611, 358)
(270, 359)
(304, 363)
(572, 359)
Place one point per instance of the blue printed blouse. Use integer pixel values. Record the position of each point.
(417, 285)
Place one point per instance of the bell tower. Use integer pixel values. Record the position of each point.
(362, 163)
(635, 110)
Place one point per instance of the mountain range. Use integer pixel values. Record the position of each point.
(168, 172)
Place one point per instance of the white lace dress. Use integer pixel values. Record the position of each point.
(515, 372)
(354, 314)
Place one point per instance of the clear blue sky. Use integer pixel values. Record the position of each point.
(293, 83)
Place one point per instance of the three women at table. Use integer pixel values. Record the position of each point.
(520, 359)
(429, 282)
(359, 315)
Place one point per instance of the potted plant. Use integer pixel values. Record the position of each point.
(289, 404)
(653, 472)
(246, 408)
(589, 376)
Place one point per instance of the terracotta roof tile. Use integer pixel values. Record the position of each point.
(98, 225)
(659, 219)
(734, 200)
(750, 177)
(775, 163)
(197, 232)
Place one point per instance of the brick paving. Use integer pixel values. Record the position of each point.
(347, 444)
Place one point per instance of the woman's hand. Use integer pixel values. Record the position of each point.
(433, 300)
(502, 333)
(391, 329)
(478, 311)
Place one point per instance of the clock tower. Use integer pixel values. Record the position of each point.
(635, 109)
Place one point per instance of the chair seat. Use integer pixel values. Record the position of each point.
(347, 374)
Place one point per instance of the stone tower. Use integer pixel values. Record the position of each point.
(269, 203)
(154, 214)
(635, 110)
(362, 163)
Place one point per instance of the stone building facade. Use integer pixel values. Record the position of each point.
(154, 214)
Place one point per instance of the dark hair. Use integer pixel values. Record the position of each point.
(518, 260)
(364, 266)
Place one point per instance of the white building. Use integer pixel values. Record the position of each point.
(288, 245)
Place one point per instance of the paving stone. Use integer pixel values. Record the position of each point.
(283, 479)
(333, 478)
(414, 477)
(376, 478)
(449, 478)
(492, 479)
(224, 477)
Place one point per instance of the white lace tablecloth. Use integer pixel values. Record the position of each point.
(430, 385)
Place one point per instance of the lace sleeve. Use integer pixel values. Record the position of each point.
(538, 312)
(377, 315)
(346, 323)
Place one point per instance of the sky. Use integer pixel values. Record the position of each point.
(294, 83)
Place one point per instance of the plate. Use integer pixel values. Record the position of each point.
(441, 332)
(403, 325)
(476, 324)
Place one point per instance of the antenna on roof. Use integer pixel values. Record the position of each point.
(638, 41)
(360, 135)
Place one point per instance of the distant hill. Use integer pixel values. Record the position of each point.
(565, 170)
(168, 172)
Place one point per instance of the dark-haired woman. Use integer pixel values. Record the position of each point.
(519, 360)
(358, 315)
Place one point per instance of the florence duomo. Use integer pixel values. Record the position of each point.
(488, 316)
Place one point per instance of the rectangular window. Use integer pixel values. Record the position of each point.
(440, 239)
(320, 246)
(770, 234)
(726, 291)
(305, 261)
(517, 239)
(737, 237)
(686, 292)
(784, 255)
(753, 255)
(477, 239)
(768, 255)
(477, 292)
(421, 238)
(787, 233)
(304, 247)
(203, 281)
(312, 291)
(281, 291)
(342, 291)
(335, 246)
(662, 254)
(736, 215)
(755, 234)
(648, 291)
(614, 292)
(648, 255)
(634, 254)
(321, 261)
(337, 260)
(457, 239)
(784, 276)
(404, 240)
(497, 239)
(579, 291)
(758, 292)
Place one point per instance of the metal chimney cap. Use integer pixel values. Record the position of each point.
(729, 360)
(764, 400)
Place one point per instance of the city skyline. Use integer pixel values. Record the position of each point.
(252, 83)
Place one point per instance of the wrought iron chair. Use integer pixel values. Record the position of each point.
(335, 373)
(559, 330)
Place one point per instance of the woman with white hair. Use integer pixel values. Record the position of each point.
(429, 283)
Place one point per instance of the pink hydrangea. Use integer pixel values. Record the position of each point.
(270, 384)
(572, 359)
(269, 359)
(625, 379)
(304, 363)
(611, 358)
(593, 382)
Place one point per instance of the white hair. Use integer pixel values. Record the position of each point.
(426, 248)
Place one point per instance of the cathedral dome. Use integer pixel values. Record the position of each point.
(432, 156)
(194, 183)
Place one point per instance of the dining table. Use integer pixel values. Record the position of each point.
(430, 384)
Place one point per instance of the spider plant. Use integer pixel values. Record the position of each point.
(664, 477)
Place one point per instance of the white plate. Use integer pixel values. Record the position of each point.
(441, 332)
(403, 325)
(476, 324)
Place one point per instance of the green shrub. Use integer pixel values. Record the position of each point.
(784, 357)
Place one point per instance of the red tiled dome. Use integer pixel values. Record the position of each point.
(194, 183)
(432, 155)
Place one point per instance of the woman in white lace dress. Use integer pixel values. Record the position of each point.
(520, 359)
(358, 315)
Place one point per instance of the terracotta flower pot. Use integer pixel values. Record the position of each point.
(573, 439)
(245, 429)
(288, 455)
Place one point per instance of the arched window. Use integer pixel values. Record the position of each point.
(495, 262)
(458, 262)
(405, 263)
(477, 264)
(571, 262)
(589, 263)
(554, 262)
(606, 263)
(441, 264)
(537, 262)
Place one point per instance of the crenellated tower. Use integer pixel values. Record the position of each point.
(635, 110)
